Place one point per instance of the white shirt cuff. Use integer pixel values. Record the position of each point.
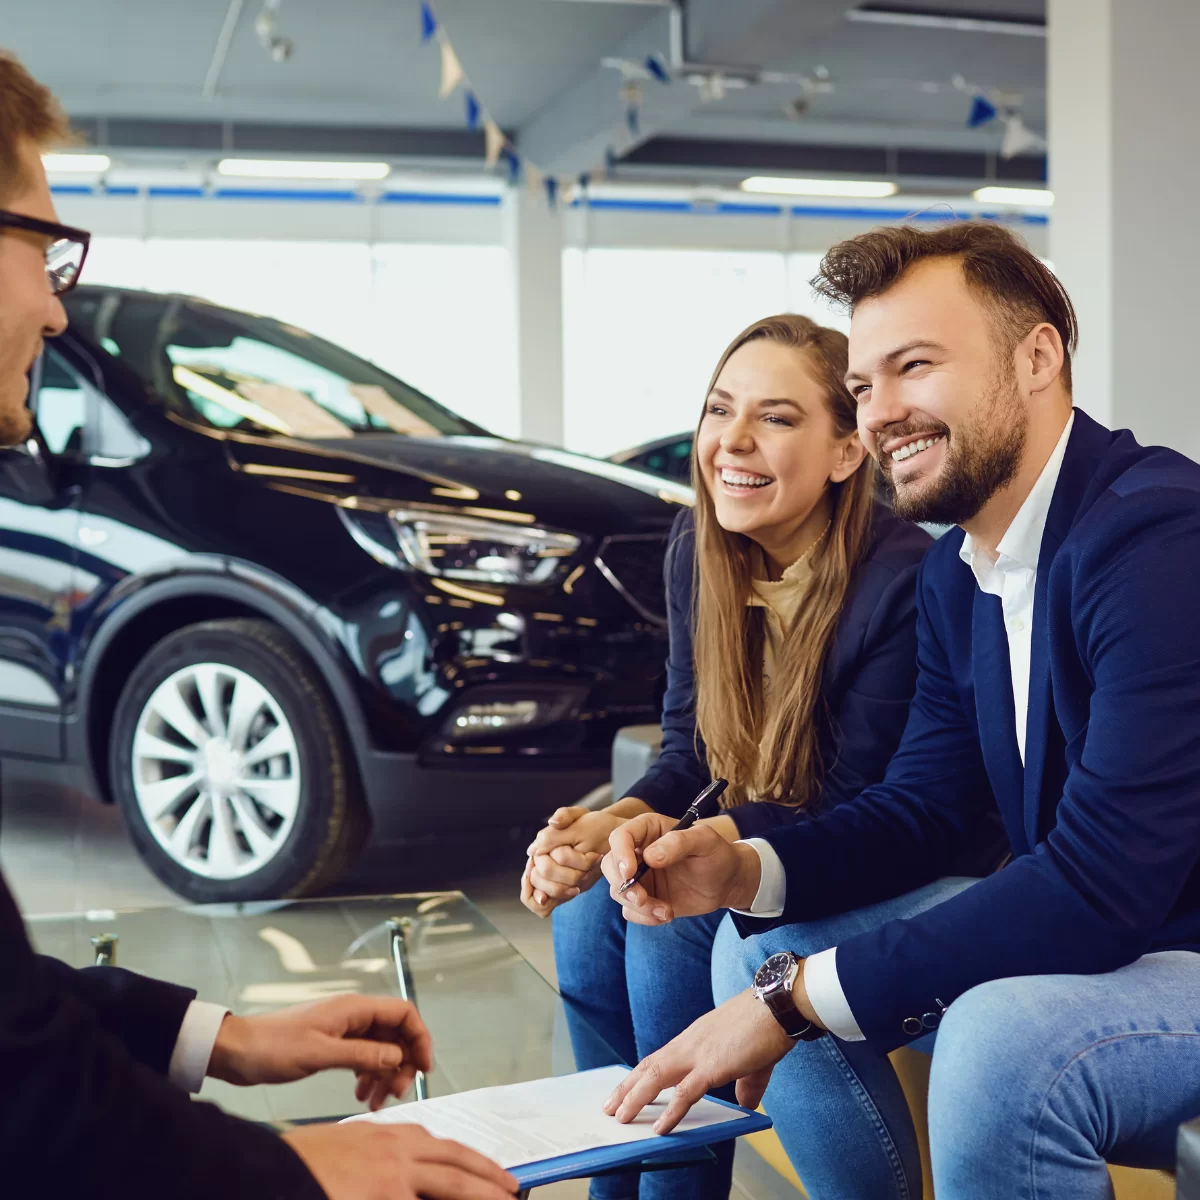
(824, 991)
(194, 1045)
(772, 884)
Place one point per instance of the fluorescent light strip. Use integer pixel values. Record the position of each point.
(1032, 197)
(862, 189)
(283, 168)
(934, 20)
(82, 164)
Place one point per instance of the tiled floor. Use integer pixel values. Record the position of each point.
(63, 852)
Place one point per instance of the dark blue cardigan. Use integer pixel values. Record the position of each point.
(869, 679)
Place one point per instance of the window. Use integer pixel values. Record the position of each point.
(232, 370)
(61, 406)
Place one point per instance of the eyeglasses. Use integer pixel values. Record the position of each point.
(64, 256)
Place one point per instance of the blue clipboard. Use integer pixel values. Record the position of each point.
(603, 1158)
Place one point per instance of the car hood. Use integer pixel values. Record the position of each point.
(484, 475)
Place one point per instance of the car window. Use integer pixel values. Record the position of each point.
(673, 459)
(61, 405)
(231, 370)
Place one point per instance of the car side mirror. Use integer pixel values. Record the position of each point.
(26, 474)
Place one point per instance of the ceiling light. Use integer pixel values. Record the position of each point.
(285, 168)
(1039, 197)
(89, 164)
(787, 186)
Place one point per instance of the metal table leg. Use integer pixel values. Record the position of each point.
(399, 929)
(105, 945)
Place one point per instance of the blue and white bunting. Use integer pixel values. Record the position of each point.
(982, 111)
(472, 110)
(429, 25)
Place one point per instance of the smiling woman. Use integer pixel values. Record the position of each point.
(792, 664)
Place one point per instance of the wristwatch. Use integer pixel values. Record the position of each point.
(773, 983)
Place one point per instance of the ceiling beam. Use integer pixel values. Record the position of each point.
(572, 133)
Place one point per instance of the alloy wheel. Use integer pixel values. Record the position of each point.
(216, 770)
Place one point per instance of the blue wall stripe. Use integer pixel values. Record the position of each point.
(453, 198)
(844, 212)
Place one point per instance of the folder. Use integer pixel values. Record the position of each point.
(552, 1129)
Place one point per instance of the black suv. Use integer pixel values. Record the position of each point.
(272, 598)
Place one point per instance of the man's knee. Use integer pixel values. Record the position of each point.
(988, 1044)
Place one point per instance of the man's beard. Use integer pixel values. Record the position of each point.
(16, 421)
(979, 462)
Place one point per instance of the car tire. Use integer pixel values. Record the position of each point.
(230, 763)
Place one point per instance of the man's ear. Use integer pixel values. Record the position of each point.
(1043, 355)
(850, 454)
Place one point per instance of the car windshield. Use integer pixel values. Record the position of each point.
(231, 370)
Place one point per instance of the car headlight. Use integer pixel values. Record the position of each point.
(456, 547)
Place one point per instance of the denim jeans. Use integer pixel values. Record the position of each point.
(637, 988)
(1036, 1082)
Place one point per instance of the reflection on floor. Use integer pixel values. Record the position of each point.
(62, 852)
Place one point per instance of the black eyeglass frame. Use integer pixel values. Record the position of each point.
(50, 229)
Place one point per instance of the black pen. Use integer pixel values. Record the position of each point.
(695, 812)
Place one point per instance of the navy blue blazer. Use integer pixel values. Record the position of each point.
(869, 677)
(85, 1105)
(1104, 817)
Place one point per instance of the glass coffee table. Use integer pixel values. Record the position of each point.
(493, 1018)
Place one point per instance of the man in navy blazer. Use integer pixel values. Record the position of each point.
(1058, 682)
(96, 1065)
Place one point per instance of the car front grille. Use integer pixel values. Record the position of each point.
(633, 564)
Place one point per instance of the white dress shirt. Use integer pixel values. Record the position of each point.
(1011, 576)
(194, 1044)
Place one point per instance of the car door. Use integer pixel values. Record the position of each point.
(40, 494)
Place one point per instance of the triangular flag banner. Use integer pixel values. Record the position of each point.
(493, 140)
(657, 69)
(452, 72)
(428, 23)
(982, 111)
(513, 162)
(1018, 138)
(551, 191)
(632, 121)
(534, 178)
(472, 110)
(610, 161)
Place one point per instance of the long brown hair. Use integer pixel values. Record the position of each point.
(729, 635)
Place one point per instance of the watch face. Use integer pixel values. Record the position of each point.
(773, 972)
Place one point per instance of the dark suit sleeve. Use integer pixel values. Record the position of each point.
(866, 727)
(1097, 892)
(80, 1117)
(681, 769)
(143, 1014)
(902, 832)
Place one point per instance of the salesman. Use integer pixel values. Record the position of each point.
(96, 1065)
(1059, 679)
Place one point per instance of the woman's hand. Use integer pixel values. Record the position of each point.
(564, 858)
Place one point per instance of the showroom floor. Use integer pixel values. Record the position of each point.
(62, 852)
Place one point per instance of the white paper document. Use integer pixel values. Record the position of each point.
(524, 1123)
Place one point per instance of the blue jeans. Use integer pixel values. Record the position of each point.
(1036, 1082)
(637, 988)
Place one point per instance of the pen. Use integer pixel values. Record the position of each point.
(694, 813)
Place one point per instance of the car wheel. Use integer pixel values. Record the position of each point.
(231, 766)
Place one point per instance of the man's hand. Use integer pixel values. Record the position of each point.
(365, 1161)
(694, 871)
(740, 1040)
(382, 1040)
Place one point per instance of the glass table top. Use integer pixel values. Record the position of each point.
(493, 1018)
